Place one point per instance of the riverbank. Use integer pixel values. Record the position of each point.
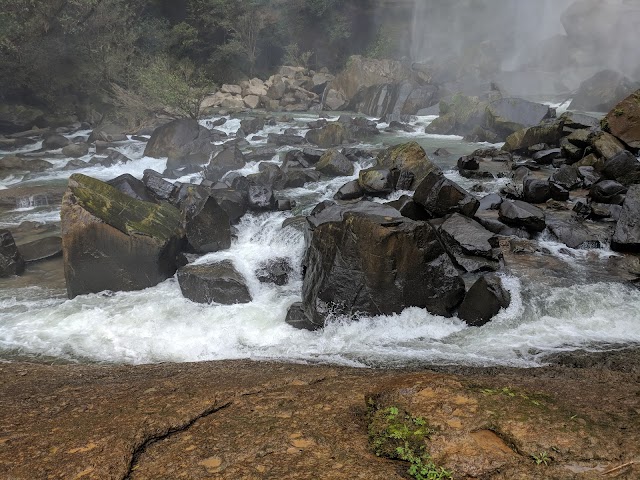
(241, 419)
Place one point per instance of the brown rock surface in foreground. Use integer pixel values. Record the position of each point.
(244, 420)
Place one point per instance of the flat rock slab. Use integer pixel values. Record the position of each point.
(239, 419)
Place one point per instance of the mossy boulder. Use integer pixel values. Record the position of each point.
(463, 115)
(408, 158)
(330, 135)
(624, 121)
(520, 141)
(111, 241)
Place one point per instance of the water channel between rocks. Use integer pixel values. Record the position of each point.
(575, 306)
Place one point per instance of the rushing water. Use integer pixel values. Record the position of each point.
(158, 324)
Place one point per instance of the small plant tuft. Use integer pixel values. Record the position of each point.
(542, 458)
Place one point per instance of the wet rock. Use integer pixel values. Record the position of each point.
(331, 135)
(410, 209)
(470, 244)
(573, 233)
(261, 198)
(54, 142)
(567, 177)
(134, 188)
(545, 157)
(10, 164)
(508, 115)
(160, 188)
(576, 121)
(623, 167)
(349, 191)
(43, 249)
(275, 271)
(111, 241)
(226, 161)
(335, 164)
(11, 260)
(490, 202)
(589, 176)
(261, 153)
(461, 116)
(608, 191)
(76, 150)
(376, 181)
(376, 264)
(217, 282)
(283, 139)
(516, 213)
(606, 211)
(606, 145)
(536, 191)
(627, 234)
(440, 196)
(602, 92)
(18, 118)
(206, 224)
(183, 141)
(329, 211)
(623, 121)
(75, 164)
(558, 192)
(520, 141)
(269, 175)
(232, 201)
(484, 300)
(299, 178)
(252, 125)
(298, 319)
(468, 163)
(408, 157)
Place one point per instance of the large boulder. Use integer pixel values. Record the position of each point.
(42, 249)
(183, 141)
(331, 135)
(376, 181)
(111, 241)
(76, 150)
(11, 261)
(440, 196)
(377, 264)
(12, 164)
(473, 247)
(602, 92)
(516, 213)
(18, 118)
(483, 301)
(624, 121)
(226, 161)
(54, 142)
(131, 186)
(546, 133)
(508, 115)
(335, 164)
(462, 116)
(408, 158)
(217, 282)
(627, 234)
(623, 167)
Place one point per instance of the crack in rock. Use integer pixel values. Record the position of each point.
(139, 449)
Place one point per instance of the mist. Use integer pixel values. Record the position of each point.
(532, 46)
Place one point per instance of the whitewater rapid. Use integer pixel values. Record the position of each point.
(159, 325)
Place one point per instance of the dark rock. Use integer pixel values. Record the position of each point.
(160, 188)
(261, 153)
(577, 121)
(602, 92)
(470, 244)
(608, 191)
(75, 164)
(440, 196)
(558, 192)
(328, 211)
(331, 135)
(282, 140)
(549, 133)
(623, 167)
(11, 164)
(573, 234)
(536, 191)
(545, 157)
(217, 282)
(251, 125)
(607, 146)
(589, 176)
(356, 154)
(54, 142)
(376, 182)
(349, 191)
(18, 118)
(410, 209)
(270, 176)
(206, 224)
(335, 164)
(111, 241)
(43, 249)
(285, 205)
(275, 271)
(570, 152)
(11, 261)
(567, 177)
(468, 163)
(442, 152)
(299, 178)
(483, 301)
(76, 150)
(521, 214)
(226, 161)
(261, 198)
(298, 319)
(131, 186)
(581, 138)
(373, 264)
(508, 115)
(183, 141)
(627, 234)
(408, 157)
(232, 201)
(606, 211)
(490, 202)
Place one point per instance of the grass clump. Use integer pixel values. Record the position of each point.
(397, 435)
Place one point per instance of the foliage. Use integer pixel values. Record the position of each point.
(397, 435)
(541, 459)
(294, 57)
